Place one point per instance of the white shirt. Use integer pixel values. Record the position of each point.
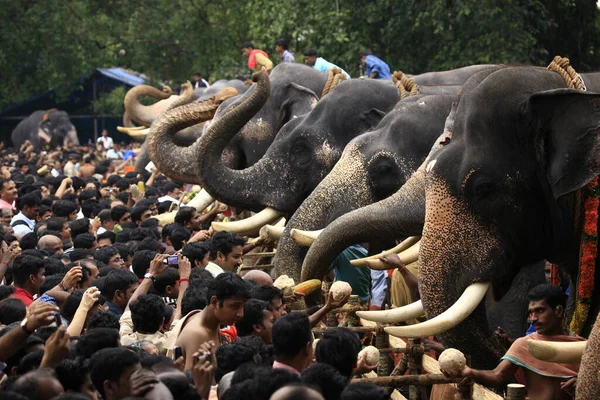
(112, 153)
(168, 198)
(197, 84)
(214, 269)
(107, 142)
(22, 229)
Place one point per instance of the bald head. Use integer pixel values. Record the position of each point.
(51, 244)
(296, 392)
(258, 276)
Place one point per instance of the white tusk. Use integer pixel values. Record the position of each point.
(199, 202)
(407, 257)
(249, 226)
(557, 352)
(138, 131)
(400, 314)
(271, 232)
(453, 316)
(404, 245)
(305, 238)
(280, 223)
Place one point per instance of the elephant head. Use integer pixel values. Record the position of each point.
(373, 166)
(303, 152)
(56, 129)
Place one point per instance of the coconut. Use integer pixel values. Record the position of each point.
(371, 354)
(340, 289)
(452, 362)
(286, 284)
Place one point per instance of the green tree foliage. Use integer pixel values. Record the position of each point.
(49, 44)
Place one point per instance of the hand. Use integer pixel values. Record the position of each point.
(157, 265)
(72, 278)
(96, 224)
(201, 236)
(332, 304)
(41, 314)
(393, 260)
(432, 345)
(293, 298)
(203, 369)
(569, 385)
(142, 381)
(9, 255)
(56, 348)
(67, 182)
(155, 171)
(185, 268)
(362, 367)
(90, 297)
(179, 364)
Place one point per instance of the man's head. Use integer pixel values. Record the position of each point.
(197, 77)
(66, 209)
(363, 56)
(296, 392)
(39, 384)
(546, 309)
(28, 273)
(120, 214)
(74, 375)
(258, 276)
(106, 220)
(227, 295)
(226, 250)
(60, 225)
(257, 320)
(247, 48)
(110, 256)
(339, 348)
(197, 253)
(119, 287)
(271, 295)
(6, 215)
(188, 217)
(173, 190)
(8, 190)
(111, 369)
(363, 391)
(141, 262)
(29, 204)
(167, 283)
(51, 244)
(104, 132)
(105, 239)
(44, 213)
(85, 241)
(147, 313)
(292, 339)
(281, 45)
(310, 57)
(140, 214)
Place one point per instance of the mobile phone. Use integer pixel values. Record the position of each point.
(177, 352)
(57, 320)
(173, 260)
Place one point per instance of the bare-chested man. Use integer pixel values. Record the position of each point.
(227, 296)
(543, 380)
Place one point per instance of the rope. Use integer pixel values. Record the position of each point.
(405, 85)
(334, 77)
(562, 66)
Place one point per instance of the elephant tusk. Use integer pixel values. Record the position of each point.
(404, 245)
(400, 314)
(305, 238)
(453, 316)
(136, 132)
(271, 232)
(199, 202)
(557, 352)
(407, 257)
(249, 226)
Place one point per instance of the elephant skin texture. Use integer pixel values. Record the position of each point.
(50, 127)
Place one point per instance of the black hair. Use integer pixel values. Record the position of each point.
(12, 310)
(339, 348)
(253, 315)
(104, 319)
(150, 223)
(44, 209)
(147, 313)
(141, 262)
(72, 303)
(195, 251)
(30, 362)
(105, 215)
(179, 235)
(86, 195)
(5, 291)
(165, 206)
(32, 199)
(79, 254)
(282, 42)
(150, 244)
(50, 281)
(124, 251)
(363, 391)
(53, 266)
(62, 208)
(23, 267)
(37, 253)
(117, 212)
(84, 241)
(194, 298)
(96, 339)
(28, 384)
(184, 214)
(247, 45)
(107, 235)
(291, 334)
(227, 285)
(137, 211)
(169, 277)
(72, 373)
(79, 226)
(28, 241)
(553, 295)
(366, 52)
(310, 52)
(105, 253)
(326, 379)
(118, 279)
(91, 208)
(266, 293)
(56, 223)
(230, 356)
(109, 364)
(224, 242)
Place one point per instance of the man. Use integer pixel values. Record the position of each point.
(376, 68)
(119, 215)
(258, 320)
(189, 217)
(51, 244)
(258, 276)
(72, 166)
(66, 209)
(61, 226)
(227, 295)
(111, 369)
(271, 295)
(38, 384)
(8, 193)
(106, 222)
(28, 276)
(197, 253)
(257, 59)
(292, 343)
(173, 193)
(119, 286)
(543, 380)
(319, 63)
(199, 81)
(105, 140)
(281, 46)
(6, 215)
(115, 153)
(225, 253)
(24, 222)
(140, 213)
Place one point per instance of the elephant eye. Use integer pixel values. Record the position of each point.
(483, 188)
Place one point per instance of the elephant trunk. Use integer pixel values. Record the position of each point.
(176, 162)
(345, 188)
(400, 215)
(240, 188)
(140, 113)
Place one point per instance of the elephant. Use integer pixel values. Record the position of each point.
(42, 128)
(295, 90)
(588, 379)
(303, 152)
(499, 192)
(373, 166)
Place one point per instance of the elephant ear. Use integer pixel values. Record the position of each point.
(371, 118)
(300, 100)
(568, 141)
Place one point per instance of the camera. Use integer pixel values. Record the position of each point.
(172, 260)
